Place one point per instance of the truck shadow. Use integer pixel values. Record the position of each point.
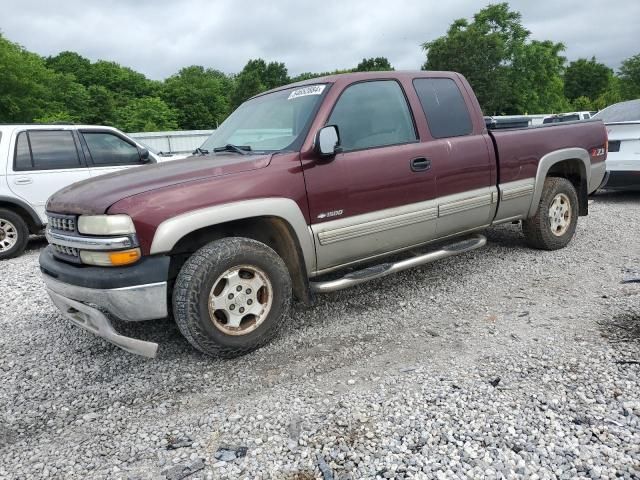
(615, 196)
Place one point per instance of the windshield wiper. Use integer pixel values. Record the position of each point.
(241, 149)
(200, 151)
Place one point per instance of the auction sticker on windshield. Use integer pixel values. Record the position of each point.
(303, 92)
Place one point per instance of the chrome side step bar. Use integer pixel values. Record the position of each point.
(384, 269)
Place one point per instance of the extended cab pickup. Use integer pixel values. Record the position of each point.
(299, 185)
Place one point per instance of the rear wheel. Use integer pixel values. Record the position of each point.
(14, 234)
(554, 223)
(232, 296)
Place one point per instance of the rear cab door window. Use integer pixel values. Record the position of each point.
(44, 161)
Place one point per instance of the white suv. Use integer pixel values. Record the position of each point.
(38, 160)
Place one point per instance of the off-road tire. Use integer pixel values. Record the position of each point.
(21, 229)
(195, 282)
(537, 229)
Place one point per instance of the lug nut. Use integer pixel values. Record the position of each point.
(249, 302)
(230, 296)
(248, 291)
(241, 310)
(238, 288)
(232, 307)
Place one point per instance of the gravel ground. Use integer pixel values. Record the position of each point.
(501, 363)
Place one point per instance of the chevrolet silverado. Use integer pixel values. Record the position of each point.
(306, 189)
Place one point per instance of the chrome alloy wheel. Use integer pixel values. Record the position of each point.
(240, 300)
(8, 235)
(560, 214)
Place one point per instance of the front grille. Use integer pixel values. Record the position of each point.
(63, 223)
(66, 251)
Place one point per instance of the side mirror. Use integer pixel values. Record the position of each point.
(328, 141)
(144, 155)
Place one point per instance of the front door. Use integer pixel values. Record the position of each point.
(378, 194)
(108, 152)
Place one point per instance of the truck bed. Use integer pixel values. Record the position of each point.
(519, 150)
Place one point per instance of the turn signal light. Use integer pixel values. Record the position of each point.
(125, 258)
(110, 259)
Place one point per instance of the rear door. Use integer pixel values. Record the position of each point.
(44, 161)
(463, 158)
(107, 151)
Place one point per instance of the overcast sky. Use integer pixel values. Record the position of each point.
(159, 37)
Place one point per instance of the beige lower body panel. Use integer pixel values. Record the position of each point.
(515, 200)
(362, 237)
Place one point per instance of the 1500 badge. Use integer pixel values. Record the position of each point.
(334, 213)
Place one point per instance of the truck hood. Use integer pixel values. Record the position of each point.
(96, 195)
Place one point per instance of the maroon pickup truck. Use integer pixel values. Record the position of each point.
(298, 186)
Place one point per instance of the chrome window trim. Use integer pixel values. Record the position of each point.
(91, 243)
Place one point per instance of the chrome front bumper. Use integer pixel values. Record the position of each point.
(139, 302)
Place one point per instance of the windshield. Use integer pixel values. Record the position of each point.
(620, 112)
(269, 122)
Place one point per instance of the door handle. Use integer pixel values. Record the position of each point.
(23, 181)
(420, 164)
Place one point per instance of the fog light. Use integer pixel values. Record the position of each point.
(110, 259)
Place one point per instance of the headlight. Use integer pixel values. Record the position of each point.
(106, 224)
(110, 259)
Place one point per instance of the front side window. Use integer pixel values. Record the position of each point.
(109, 149)
(443, 105)
(373, 114)
(46, 150)
(271, 122)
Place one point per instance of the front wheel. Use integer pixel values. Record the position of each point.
(554, 223)
(232, 296)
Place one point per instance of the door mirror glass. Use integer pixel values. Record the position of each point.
(144, 155)
(328, 141)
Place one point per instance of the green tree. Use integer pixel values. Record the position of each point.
(146, 114)
(483, 50)
(200, 96)
(378, 64)
(582, 104)
(586, 78)
(123, 82)
(613, 94)
(630, 77)
(101, 106)
(71, 63)
(30, 91)
(256, 77)
(536, 77)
